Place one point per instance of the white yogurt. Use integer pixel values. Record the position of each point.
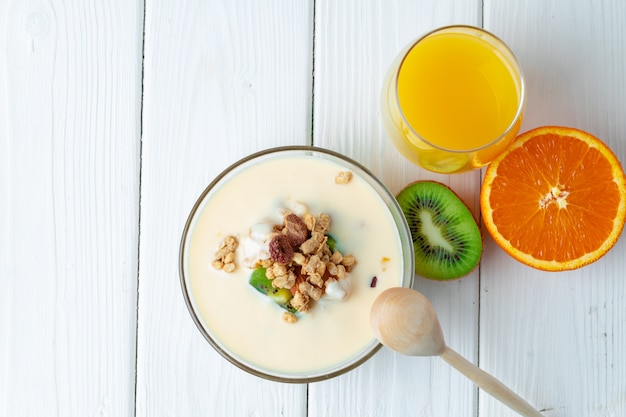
(244, 322)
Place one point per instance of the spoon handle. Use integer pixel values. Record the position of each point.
(489, 384)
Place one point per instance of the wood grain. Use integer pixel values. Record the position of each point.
(115, 115)
(558, 338)
(355, 42)
(69, 134)
(222, 80)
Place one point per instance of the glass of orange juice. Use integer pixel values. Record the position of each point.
(454, 99)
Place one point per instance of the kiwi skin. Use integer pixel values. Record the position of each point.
(460, 243)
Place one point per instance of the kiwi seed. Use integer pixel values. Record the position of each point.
(280, 296)
(446, 239)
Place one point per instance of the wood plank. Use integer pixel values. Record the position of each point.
(559, 338)
(355, 42)
(222, 80)
(70, 88)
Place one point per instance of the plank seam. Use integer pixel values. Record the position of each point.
(141, 110)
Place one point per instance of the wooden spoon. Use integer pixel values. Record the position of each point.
(405, 321)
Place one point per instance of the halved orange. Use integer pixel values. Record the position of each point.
(556, 199)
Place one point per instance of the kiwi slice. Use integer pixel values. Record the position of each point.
(281, 296)
(332, 243)
(446, 239)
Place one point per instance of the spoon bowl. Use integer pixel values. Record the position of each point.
(405, 321)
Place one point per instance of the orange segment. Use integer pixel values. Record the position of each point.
(556, 199)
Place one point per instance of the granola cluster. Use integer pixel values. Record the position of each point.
(299, 259)
(343, 177)
(225, 255)
(302, 261)
(296, 255)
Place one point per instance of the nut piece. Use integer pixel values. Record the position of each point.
(300, 302)
(323, 223)
(343, 177)
(309, 220)
(312, 243)
(341, 271)
(299, 258)
(310, 290)
(348, 260)
(295, 230)
(289, 317)
(280, 249)
(336, 257)
(316, 279)
(284, 281)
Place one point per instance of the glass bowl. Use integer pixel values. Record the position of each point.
(243, 325)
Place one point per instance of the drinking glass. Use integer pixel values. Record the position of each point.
(454, 99)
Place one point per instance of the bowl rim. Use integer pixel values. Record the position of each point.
(404, 235)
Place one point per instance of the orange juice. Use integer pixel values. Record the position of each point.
(465, 95)
(454, 99)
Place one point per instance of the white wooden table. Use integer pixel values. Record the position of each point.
(114, 116)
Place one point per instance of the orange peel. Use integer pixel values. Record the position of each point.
(556, 199)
